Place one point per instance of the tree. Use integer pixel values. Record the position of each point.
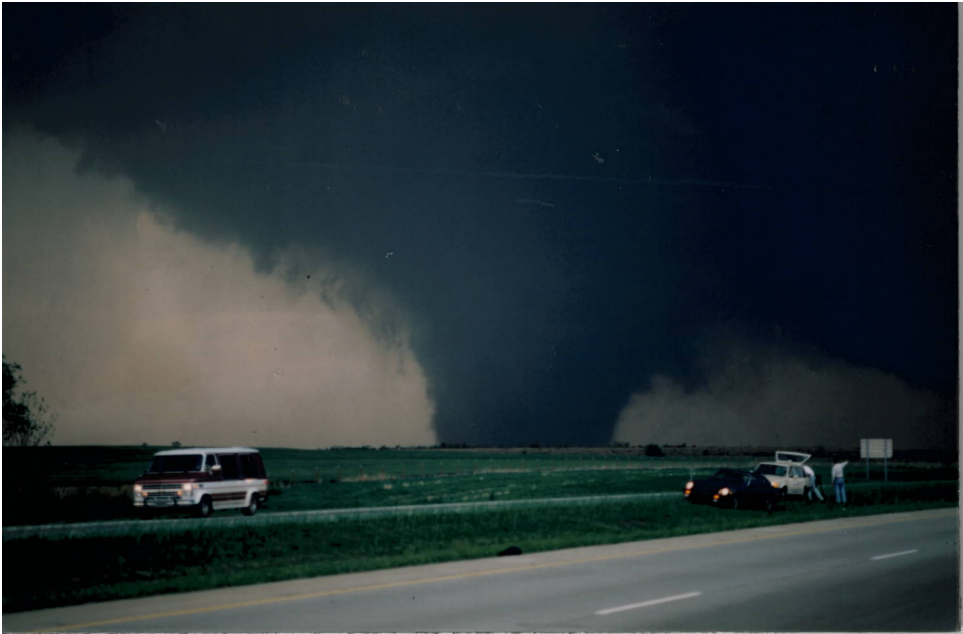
(26, 420)
(654, 451)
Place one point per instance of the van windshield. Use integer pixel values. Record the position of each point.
(171, 464)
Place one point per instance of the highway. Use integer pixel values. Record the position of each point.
(890, 573)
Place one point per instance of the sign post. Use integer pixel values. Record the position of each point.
(876, 448)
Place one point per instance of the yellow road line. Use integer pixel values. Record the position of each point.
(483, 573)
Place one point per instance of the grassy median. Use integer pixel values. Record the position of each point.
(101, 568)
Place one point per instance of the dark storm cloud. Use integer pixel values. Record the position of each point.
(695, 165)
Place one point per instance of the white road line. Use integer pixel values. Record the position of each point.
(646, 604)
(905, 552)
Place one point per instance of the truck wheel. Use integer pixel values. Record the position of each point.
(204, 507)
(251, 508)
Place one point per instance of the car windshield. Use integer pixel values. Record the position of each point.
(170, 464)
(771, 469)
(731, 476)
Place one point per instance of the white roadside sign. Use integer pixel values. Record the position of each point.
(876, 448)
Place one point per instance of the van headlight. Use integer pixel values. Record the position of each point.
(188, 487)
(138, 489)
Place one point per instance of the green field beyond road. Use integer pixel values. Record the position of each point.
(75, 484)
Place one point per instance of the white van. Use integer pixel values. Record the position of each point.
(203, 480)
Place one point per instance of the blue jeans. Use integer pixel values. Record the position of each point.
(840, 487)
(814, 492)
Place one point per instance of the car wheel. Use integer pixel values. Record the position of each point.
(204, 507)
(735, 503)
(767, 505)
(251, 508)
(784, 493)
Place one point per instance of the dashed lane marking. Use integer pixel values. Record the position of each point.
(900, 554)
(645, 604)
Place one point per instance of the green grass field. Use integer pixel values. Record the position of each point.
(70, 484)
(116, 466)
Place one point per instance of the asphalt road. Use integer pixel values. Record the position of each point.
(896, 573)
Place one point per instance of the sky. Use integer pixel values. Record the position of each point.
(312, 225)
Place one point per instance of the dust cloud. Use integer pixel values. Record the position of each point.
(136, 332)
(770, 394)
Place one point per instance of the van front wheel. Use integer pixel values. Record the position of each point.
(204, 507)
(251, 508)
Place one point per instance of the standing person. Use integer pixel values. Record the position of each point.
(814, 491)
(839, 485)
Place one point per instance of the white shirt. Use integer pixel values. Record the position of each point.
(838, 469)
(809, 471)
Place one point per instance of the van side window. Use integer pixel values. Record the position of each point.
(210, 461)
(228, 466)
(247, 466)
(259, 466)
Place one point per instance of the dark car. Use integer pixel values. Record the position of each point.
(735, 489)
